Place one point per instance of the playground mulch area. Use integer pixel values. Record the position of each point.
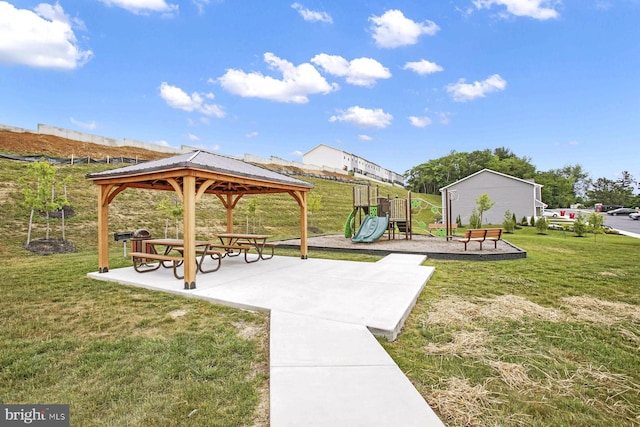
(431, 246)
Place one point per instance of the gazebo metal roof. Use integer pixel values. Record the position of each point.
(191, 175)
(233, 175)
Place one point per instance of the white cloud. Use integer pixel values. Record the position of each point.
(312, 15)
(393, 30)
(141, 7)
(359, 72)
(252, 134)
(297, 82)
(177, 98)
(363, 117)
(463, 92)
(42, 38)
(200, 4)
(85, 125)
(537, 9)
(423, 67)
(420, 122)
(297, 153)
(444, 118)
(193, 137)
(363, 137)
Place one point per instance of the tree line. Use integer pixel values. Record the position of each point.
(561, 187)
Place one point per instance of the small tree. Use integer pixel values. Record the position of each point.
(595, 224)
(484, 204)
(474, 219)
(314, 202)
(252, 208)
(173, 210)
(40, 195)
(509, 222)
(541, 225)
(524, 221)
(580, 227)
(459, 221)
(516, 226)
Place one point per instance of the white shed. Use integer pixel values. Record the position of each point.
(520, 196)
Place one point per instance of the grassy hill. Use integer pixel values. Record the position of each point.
(277, 215)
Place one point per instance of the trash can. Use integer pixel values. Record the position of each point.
(136, 240)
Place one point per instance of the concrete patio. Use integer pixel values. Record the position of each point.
(326, 367)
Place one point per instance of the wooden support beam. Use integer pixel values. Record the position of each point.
(189, 222)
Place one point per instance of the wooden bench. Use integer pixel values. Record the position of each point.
(141, 259)
(440, 226)
(480, 235)
(494, 234)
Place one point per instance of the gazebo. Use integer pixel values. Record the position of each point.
(191, 175)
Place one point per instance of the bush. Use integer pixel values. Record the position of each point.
(541, 225)
(580, 227)
(524, 221)
(508, 223)
(474, 219)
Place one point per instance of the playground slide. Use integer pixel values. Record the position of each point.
(348, 226)
(371, 229)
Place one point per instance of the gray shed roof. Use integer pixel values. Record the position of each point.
(203, 161)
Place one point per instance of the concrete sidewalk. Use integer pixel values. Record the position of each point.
(326, 367)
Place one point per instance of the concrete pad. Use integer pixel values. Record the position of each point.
(376, 295)
(307, 341)
(326, 373)
(335, 396)
(326, 367)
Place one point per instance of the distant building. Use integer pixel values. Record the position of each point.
(323, 155)
(520, 196)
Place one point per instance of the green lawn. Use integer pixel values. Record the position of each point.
(550, 340)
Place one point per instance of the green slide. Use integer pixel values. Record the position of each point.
(371, 229)
(349, 225)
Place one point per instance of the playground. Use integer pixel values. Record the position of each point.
(379, 225)
(373, 215)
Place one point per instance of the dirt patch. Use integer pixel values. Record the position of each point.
(50, 246)
(26, 143)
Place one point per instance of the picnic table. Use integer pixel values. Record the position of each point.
(243, 242)
(173, 252)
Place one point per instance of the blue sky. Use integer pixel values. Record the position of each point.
(397, 82)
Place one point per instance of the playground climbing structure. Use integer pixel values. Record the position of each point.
(373, 215)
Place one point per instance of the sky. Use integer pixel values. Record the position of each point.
(399, 83)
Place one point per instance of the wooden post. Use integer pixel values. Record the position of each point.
(229, 206)
(189, 220)
(103, 228)
(303, 225)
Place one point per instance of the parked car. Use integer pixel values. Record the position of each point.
(550, 214)
(635, 215)
(622, 211)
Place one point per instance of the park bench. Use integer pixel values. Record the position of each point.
(480, 235)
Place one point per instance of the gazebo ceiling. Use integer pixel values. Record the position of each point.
(220, 174)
